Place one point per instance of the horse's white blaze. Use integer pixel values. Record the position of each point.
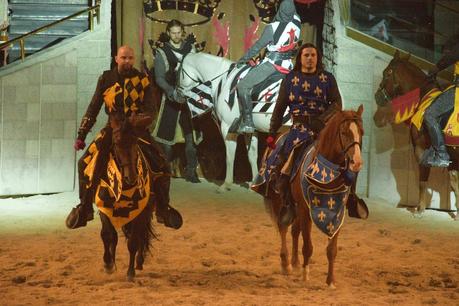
(357, 156)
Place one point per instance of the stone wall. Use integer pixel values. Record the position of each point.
(42, 100)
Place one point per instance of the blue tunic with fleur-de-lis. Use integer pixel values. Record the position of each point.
(307, 96)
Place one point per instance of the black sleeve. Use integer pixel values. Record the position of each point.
(279, 109)
(89, 119)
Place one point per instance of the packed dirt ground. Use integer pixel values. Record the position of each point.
(227, 253)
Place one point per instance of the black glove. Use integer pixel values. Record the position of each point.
(316, 125)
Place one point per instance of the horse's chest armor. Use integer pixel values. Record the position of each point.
(326, 194)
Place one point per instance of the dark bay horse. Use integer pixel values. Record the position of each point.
(339, 143)
(399, 78)
(124, 195)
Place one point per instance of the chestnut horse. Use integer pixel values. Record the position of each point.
(339, 143)
(401, 77)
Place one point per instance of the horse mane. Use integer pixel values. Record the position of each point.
(412, 68)
(329, 137)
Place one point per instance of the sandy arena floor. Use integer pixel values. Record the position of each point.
(225, 254)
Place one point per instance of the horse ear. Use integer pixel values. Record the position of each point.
(360, 110)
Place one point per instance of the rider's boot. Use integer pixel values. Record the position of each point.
(165, 213)
(81, 214)
(246, 126)
(288, 210)
(435, 156)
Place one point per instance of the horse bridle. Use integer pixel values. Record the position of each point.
(386, 97)
(345, 149)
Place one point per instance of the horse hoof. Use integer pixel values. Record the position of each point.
(131, 276)
(139, 267)
(287, 270)
(223, 188)
(331, 286)
(109, 269)
(306, 274)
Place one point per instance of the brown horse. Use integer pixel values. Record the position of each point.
(124, 194)
(401, 77)
(339, 143)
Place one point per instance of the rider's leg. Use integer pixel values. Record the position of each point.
(437, 156)
(165, 213)
(244, 88)
(190, 148)
(288, 210)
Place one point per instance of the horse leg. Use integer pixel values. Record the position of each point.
(332, 250)
(230, 146)
(133, 246)
(140, 259)
(305, 224)
(424, 195)
(253, 156)
(285, 259)
(295, 236)
(454, 182)
(110, 239)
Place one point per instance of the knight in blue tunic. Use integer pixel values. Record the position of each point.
(312, 96)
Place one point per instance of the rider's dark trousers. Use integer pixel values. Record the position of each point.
(436, 113)
(190, 147)
(254, 77)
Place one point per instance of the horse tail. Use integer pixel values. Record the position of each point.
(272, 207)
(141, 229)
(148, 234)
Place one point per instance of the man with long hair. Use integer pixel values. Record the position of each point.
(312, 96)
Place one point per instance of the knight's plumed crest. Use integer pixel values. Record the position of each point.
(201, 11)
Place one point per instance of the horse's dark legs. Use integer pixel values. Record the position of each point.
(296, 229)
(133, 247)
(306, 223)
(110, 239)
(332, 250)
(140, 259)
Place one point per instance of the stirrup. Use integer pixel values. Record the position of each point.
(246, 129)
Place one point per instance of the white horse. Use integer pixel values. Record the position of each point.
(200, 68)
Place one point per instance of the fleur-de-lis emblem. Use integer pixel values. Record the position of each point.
(306, 86)
(291, 97)
(312, 104)
(324, 174)
(318, 91)
(323, 78)
(316, 201)
(295, 80)
(331, 203)
(321, 216)
(330, 228)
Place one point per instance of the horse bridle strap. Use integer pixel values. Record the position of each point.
(349, 146)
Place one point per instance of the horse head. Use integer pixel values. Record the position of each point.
(341, 140)
(399, 77)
